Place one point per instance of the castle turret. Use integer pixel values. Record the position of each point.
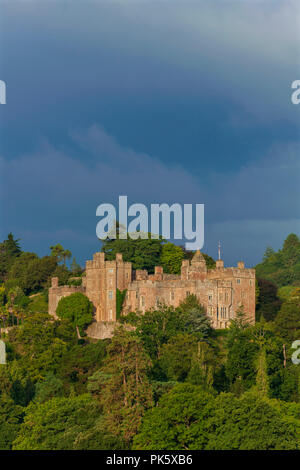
(197, 268)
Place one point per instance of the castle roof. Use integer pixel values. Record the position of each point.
(198, 257)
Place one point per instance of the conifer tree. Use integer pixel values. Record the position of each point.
(262, 380)
(122, 384)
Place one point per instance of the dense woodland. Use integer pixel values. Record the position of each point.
(166, 380)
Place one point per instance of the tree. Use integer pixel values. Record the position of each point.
(62, 424)
(79, 362)
(77, 309)
(268, 253)
(120, 297)
(39, 343)
(190, 418)
(51, 387)
(194, 317)
(31, 273)
(59, 253)
(268, 303)
(176, 356)
(287, 322)
(251, 422)
(262, 379)
(282, 267)
(179, 422)
(240, 322)
(122, 385)
(203, 366)
(242, 351)
(9, 251)
(171, 258)
(75, 268)
(11, 416)
(2, 295)
(156, 327)
(144, 254)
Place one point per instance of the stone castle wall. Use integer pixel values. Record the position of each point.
(221, 291)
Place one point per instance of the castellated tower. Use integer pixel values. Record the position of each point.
(222, 291)
(103, 278)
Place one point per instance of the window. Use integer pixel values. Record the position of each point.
(142, 301)
(136, 295)
(126, 275)
(111, 270)
(226, 296)
(110, 294)
(250, 282)
(172, 296)
(210, 297)
(238, 281)
(110, 314)
(187, 293)
(223, 312)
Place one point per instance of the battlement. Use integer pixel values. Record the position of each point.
(221, 290)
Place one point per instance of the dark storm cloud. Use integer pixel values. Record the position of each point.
(194, 104)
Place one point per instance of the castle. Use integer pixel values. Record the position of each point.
(221, 290)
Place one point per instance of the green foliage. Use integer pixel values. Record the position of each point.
(262, 379)
(144, 254)
(250, 422)
(191, 419)
(57, 424)
(77, 309)
(78, 363)
(9, 251)
(38, 303)
(204, 364)
(60, 254)
(284, 293)
(166, 380)
(156, 327)
(76, 269)
(39, 343)
(122, 385)
(171, 258)
(11, 416)
(2, 295)
(242, 352)
(195, 319)
(268, 303)
(282, 267)
(178, 422)
(51, 387)
(32, 273)
(120, 297)
(176, 356)
(287, 322)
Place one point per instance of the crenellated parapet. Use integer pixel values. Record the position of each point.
(222, 290)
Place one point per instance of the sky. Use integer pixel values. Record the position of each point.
(165, 101)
